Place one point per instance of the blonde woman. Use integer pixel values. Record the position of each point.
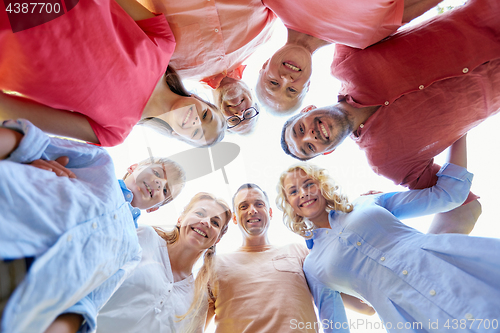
(416, 282)
(162, 290)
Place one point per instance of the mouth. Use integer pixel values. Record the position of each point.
(199, 232)
(323, 129)
(292, 66)
(253, 221)
(150, 191)
(308, 203)
(187, 117)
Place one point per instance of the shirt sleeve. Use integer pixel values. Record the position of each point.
(450, 191)
(331, 309)
(33, 143)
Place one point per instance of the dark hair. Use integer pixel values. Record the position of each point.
(284, 145)
(248, 186)
(175, 85)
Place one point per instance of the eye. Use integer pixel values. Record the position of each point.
(194, 133)
(311, 147)
(165, 191)
(200, 214)
(215, 222)
(243, 207)
(301, 129)
(293, 192)
(274, 83)
(259, 204)
(308, 185)
(204, 114)
(156, 173)
(293, 90)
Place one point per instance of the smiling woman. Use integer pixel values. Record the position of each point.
(162, 294)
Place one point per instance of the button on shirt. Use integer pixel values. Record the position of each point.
(148, 300)
(80, 230)
(405, 274)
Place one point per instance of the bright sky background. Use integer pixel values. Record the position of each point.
(261, 160)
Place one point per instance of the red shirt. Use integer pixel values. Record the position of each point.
(357, 23)
(94, 60)
(435, 84)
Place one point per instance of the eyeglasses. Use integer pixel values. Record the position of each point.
(235, 120)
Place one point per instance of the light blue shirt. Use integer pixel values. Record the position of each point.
(416, 282)
(81, 231)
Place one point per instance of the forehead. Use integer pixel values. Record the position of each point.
(295, 178)
(249, 195)
(210, 206)
(293, 142)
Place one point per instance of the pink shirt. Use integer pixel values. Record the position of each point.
(94, 60)
(357, 23)
(457, 92)
(213, 36)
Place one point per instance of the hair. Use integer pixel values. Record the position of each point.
(249, 186)
(259, 92)
(178, 171)
(284, 144)
(329, 190)
(175, 85)
(206, 275)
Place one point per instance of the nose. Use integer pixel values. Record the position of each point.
(205, 221)
(303, 192)
(160, 183)
(310, 135)
(287, 77)
(252, 210)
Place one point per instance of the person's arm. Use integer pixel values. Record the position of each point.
(450, 191)
(355, 304)
(415, 8)
(65, 323)
(9, 140)
(49, 120)
(136, 11)
(331, 310)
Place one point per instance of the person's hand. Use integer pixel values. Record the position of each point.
(57, 166)
(372, 192)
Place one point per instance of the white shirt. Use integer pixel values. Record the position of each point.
(149, 300)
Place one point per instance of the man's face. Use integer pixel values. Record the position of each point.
(252, 212)
(317, 132)
(233, 98)
(284, 78)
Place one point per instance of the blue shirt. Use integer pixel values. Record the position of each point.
(416, 282)
(81, 231)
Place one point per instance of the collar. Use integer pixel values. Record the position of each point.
(215, 80)
(128, 195)
(310, 241)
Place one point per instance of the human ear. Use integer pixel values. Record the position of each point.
(153, 209)
(131, 168)
(270, 212)
(234, 219)
(308, 108)
(265, 64)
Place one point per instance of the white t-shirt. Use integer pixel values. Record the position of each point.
(149, 300)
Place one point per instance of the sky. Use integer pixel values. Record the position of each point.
(261, 161)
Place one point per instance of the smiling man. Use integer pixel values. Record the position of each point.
(235, 99)
(437, 81)
(261, 287)
(284, 78)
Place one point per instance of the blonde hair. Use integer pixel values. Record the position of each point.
(179, 176)
(207, 271)
(329, 190)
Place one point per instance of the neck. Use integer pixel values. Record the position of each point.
(322, 221)
(160, 101)
(308, 42)
(182, 260)
(357, 115)
(260, 240)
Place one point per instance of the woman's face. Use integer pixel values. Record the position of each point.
(303, 193)
(202, 224)
(195, 121)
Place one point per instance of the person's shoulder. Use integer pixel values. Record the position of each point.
(295, 249)
(147, 235)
